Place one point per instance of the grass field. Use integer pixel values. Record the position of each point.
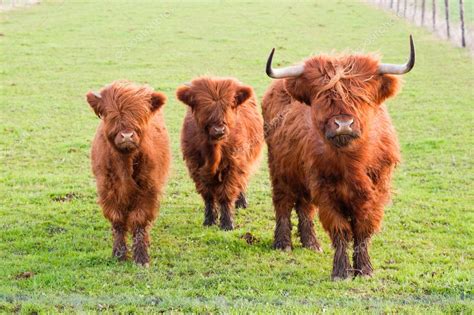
(55, 245)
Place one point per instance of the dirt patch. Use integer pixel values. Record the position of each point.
(55, 230)
(65, 198)
(24, 275)
(249, 238)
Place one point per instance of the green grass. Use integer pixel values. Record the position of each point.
(53, 53)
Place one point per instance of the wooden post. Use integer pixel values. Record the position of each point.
(405, 8)
(446, 11)
(461, 15)
(398, 6)
(391, 4)
(422, 12)
(414, 12)
(434, 14)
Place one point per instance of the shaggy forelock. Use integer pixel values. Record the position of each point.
(123, 100)
(212, 90)
(349, 78)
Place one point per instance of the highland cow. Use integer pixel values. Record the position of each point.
(130, 160)
(221, 140)
(332, 148)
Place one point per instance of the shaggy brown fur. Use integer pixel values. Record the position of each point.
(130, 160)
(221, 140)
(348, 176)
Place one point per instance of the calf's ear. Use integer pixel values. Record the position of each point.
(242, 94)
(158, 99)
(185, 95)
(298, 89)
(94, 98)
(389, 86)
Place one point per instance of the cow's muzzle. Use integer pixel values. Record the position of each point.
(341, 130)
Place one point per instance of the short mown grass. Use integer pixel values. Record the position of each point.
(55, 245)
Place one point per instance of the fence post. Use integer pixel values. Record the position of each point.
(446, 11)
(422, 12)
(434, 15)
(461, 15)
(405, 8)
(414, 12)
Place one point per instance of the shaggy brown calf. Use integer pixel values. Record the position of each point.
(332, 146)
(221, 140)
(130, 160)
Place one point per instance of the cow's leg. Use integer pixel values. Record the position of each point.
(361, 258)
(341, 268)
(306, 212)
(283, 203)
(365, 224)
(339, 230)
(241, 201)
(227, 215)
(119, 230)
(210, 211)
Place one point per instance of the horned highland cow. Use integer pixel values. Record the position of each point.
(130, 160)
(332, 149)
(221, 141)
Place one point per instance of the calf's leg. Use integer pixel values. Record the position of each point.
(119, 230)
(210, 212)
(140, 221)
(306, 212)
(241, 201)
(119, 233)
(227, 215)
(141, 242)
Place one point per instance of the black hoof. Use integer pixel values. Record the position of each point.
(241, 202)
(282, 245)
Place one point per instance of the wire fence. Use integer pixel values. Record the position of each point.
(12, 4)
(452, 20)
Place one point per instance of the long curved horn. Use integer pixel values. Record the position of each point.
(387, 68)
(288, 72)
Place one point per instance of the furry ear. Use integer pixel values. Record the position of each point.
(298, 89)
(242, 94)
(93, 98)
(158, 99)
(184, 94)
(389, 86)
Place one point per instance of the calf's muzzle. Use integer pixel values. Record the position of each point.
(217, 132)
(126, 141)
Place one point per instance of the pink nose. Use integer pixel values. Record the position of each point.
(127, 135)
(344, 124)
(219, 131)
